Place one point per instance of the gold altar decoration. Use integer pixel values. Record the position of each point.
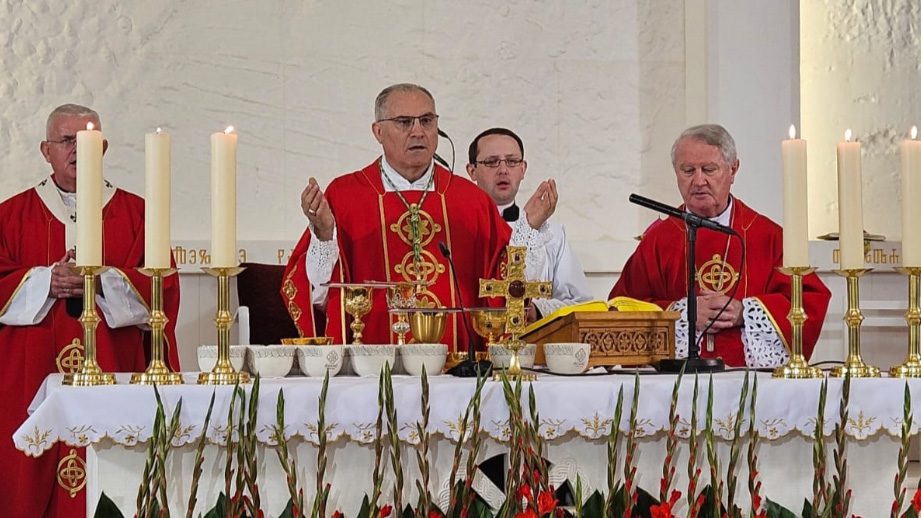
(89, 375)
(854, 364)
(357, 300)
(403, 296)
(223, 372)
(797, 367)
(515, 289)
(489, 323)
(157, 372)
(911, 367)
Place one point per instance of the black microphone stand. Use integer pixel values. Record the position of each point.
(693, 363)
(469, 368)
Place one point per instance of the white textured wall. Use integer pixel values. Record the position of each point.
(861, 67)
(594, 88)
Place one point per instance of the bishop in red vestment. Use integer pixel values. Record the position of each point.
(37, 232)
(388, 220)
(754, 329)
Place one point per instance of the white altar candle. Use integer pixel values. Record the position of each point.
(850, 204)
(795, 206)
(911, 200)
(89, 197)
(157, 200)
(224, 199)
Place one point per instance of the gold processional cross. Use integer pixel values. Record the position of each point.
(515, 289)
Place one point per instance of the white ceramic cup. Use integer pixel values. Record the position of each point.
(316, 360)
(369, 360)
(567, 358)
(207, 357)
(415, 356)
(270, 361)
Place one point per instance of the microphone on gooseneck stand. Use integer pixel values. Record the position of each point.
(74, 306)
(442, 161)
(469, 368)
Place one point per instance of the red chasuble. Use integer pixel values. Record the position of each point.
(657, 272)
(375, 244)
(53, 484)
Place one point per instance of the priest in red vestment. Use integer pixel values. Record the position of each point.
(40, 301)
(753, 330)
(385, 223)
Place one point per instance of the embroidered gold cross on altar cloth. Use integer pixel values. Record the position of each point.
(515, 289)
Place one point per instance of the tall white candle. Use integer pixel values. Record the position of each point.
(157, 200)
(911, 200)
(89, 197)
(224, 199)
(850, 204)
(795, 205)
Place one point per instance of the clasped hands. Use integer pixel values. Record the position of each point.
(709, 304)
(66, 282)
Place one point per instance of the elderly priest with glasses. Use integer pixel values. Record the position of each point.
(386, 222)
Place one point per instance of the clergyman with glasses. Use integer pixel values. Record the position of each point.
(753, 330)
(41, 299)
(386, 222)
(496, 163)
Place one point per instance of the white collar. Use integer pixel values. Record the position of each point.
(402, 184)
(724, 218)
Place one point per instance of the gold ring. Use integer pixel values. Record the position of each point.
(311, 212)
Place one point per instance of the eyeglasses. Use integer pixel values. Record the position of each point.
(66, 141)
(493, 163)
(405, 122)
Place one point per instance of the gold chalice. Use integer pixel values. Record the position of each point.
(401, 296)
(428, 326)
(489, 323)
(358, 304)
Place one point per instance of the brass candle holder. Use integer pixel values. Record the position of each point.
(157, 372)
(90, 374)
(514, 372)
(854, 364)
(797, 367)
(911, 368)
(223, 372)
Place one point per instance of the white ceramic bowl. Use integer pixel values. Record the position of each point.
(316, 360)
(369, 360)
(270, 361)
(567, 358)
(501, 357)
(432, 356)
(207, 357)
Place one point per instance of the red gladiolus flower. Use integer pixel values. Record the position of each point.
(524, 491)
(432, 514)
(386, 510)
(916, 501)
(527, 513)
(663, 510)
(545, 502)
(336, 514)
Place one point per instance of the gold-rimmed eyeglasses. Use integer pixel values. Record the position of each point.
(66, 141)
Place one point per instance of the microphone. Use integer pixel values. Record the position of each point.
(469, 368)
(442, 161)
(690, 219)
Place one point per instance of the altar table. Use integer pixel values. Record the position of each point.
(114, 422)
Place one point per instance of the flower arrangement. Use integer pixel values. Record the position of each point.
(529, 493)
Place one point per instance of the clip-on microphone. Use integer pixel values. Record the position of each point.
(469, 368)
(442, 161)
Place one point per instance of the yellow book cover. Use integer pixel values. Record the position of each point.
(617, 303)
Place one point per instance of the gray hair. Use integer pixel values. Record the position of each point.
(71, 110)
(380, 103)
(712, 134)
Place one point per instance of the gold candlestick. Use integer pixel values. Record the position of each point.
(912, 366)
(854, 364)
(89, 375)
(223, 372)
(797, 367)
(157, 372)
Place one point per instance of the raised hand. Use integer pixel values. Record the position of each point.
(317, 210)
(542, 204)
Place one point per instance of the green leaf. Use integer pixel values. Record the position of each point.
(408, 511)
(106, 508)
(365, 511)
(219, 509)
(289, 510)
(479, 508)
(594, 506)
(775, 510)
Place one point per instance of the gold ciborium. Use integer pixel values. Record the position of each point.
(401, 296)
(357, 300)
(428, 325)
(489, 323)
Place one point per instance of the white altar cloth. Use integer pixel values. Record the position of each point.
(115, 421)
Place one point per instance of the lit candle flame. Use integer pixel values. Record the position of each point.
(847, 135)
(229, 130)
(792, 132)
(159, 131)
(90, 126)
(914, 132)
